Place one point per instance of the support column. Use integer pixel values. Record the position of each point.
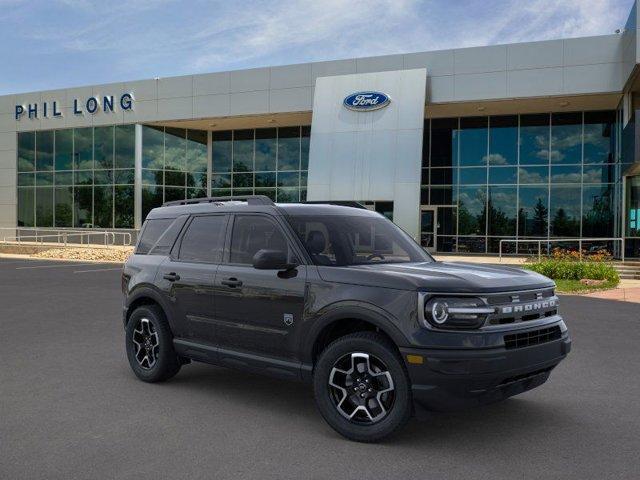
(137, 189)
(209, 162)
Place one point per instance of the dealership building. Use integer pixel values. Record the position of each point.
(462, 148)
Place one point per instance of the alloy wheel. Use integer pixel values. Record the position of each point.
(361, 388)
(146, 343)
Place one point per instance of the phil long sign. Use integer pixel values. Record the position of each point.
(91, 105)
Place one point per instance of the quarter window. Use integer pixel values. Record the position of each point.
(204, 239)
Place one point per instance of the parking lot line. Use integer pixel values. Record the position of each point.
(56, 266)
(98, 270)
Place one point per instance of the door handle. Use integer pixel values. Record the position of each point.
(172, 277)
(232, 282)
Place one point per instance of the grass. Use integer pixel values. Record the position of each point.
(574, 286)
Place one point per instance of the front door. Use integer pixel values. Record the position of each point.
(257, 310)
(428, 222)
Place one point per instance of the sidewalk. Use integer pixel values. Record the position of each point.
(627, 291)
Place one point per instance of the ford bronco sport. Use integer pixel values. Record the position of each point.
(337, 296)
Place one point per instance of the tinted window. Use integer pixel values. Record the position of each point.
(151, 233)
(252, 233)
(168, 238)
(204, 239)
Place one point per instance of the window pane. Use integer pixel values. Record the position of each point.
(565, 211)
(473, 141)
(175, 149)
(443, 142)
(177, 179)
(566, 138)
(503, 175)
(253, 233)
(151, 232)
(151, 198)
(152, 177)
(152, 147)
(443, 176)
(266, 149)
(44, 179)
(26, 179)
(26, 151)
(533, 174)
(220, 181)
(44, 207)
(304, 147)
(124, 176)
(103, 147)
(266, 179)
(289, 148)
(26, 202)
(64, 206)
(204, 239)
(221, 151)
(288, 195)
(125, 151)
(442, 196)
(503, 140)
(288, 179)
(83, 148)
(174, 193)
(473, 176)
(123, 206)
(599, 141)
(103, 207)
(243, 150)
(197, 179)
(64, 178)
(534, 139)
(64, 150)
(472, 211)
(44, 150)
(597, 211)
(196, 193)
(83, 205)
(84, 177)
(102, 177)
(533, 213)
(502, 210)
(571, 174)
(243, 180)
(197, 151)
(605, 173)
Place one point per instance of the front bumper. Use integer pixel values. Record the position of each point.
(451, 379)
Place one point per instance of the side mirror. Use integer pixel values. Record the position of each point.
(271, 260)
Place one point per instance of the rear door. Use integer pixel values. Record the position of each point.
(257, 310)
(188, 275)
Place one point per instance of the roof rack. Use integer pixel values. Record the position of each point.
(341, 203)
(250, 199)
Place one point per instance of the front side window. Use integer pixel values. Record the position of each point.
(204, 239)
(252, 233)
(343, 240)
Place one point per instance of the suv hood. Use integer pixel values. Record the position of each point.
(452, 277)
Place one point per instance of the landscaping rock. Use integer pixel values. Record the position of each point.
(114, 254)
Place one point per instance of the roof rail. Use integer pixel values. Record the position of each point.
(250, 199)
(341, 203)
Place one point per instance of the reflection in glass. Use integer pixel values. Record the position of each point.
(44, 150)
(125, 148)
(473, 141)
(599, 140)
(533, 175)
(63, 149)
(103, 207)
(503, 140)
(197, 151)
(565, 211)
(152, 147)
(26, 206)
(566, 138)
(175, 150)
(503, 175)
(243, 150)
(534, 139)
(82, 148)
(123, 206)
(566, 174)
(304, 149)
(605, 173)
(472, 210)
(63, 206)
(266, 145)
(597, 211)
(444, 145)
(26, 151)
(533, 213)
(221, 146)
(44, 207)
(502, 210)
(103, 147)
(289, 148)
(83, 206)
(473, 176)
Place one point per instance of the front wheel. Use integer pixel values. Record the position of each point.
(362, 388)
(149, 345)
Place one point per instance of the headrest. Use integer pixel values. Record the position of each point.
(316, 242)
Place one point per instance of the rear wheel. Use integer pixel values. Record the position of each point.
(362, 388)
(149, 345)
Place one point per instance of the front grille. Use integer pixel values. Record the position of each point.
(534, 337)
(522, 306)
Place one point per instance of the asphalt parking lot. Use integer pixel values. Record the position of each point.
(70, 408)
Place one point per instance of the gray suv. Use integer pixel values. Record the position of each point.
(337, 296)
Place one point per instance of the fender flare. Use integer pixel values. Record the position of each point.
(146, 291)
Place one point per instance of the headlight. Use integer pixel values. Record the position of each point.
(452, 312)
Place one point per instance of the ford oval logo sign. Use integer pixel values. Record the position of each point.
(366, 101)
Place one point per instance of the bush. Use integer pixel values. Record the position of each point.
(575, 270)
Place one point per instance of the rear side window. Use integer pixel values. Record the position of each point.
(253, 233)
(168, 238)
(203, 240)
(151, 232)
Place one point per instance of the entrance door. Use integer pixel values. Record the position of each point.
(428, 222)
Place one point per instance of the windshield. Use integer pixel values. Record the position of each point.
(336, 240)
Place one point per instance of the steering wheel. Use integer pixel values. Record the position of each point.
(374, 255)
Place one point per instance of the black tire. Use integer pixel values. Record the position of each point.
(378, 349)
(165, 362)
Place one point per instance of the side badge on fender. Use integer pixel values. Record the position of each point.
(288, 319)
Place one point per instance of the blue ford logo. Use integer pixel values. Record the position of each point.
(366, 101)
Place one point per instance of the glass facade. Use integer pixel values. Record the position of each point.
(521, 177)
(81, 177)
(266, 161)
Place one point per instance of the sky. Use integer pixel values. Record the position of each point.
(48, 44)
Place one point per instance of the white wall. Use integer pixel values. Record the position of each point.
(375, 155)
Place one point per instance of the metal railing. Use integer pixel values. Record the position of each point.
(81, 238)
(548, 241)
